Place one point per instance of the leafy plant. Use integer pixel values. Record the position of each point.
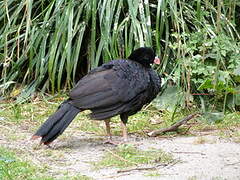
(49, 45)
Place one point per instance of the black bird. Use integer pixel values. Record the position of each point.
(119, 87)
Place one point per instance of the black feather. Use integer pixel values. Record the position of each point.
(119, 87)
(57, 123)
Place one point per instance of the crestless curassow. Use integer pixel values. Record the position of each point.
(119, 87)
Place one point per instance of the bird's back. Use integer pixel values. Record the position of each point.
(120, 86)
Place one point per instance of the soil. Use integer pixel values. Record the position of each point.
(201, 157)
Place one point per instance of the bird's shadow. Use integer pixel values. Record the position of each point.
(83, 143)
(91, 142)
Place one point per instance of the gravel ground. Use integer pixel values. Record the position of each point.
(203, 157)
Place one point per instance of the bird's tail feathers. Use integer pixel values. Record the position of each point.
(57, 123)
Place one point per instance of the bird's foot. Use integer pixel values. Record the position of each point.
(116, 143)
(111, 142)
(35, 137)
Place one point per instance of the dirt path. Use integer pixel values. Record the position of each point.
(199, 158)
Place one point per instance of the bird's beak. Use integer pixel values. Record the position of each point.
(156, 60)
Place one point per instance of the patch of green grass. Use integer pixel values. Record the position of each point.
(12, 167)
(127, 155)
(141, 122)
(84, 123)
(27, 112)
(228, 127)
(230, 120)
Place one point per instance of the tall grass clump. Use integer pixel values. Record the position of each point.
(49, 45)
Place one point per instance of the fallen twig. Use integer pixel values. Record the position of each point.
(174, 127)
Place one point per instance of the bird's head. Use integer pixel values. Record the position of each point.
(145, 56)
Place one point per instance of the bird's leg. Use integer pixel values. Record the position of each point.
(107, 123)
(109, 140)
(124, 131)
(124, 119)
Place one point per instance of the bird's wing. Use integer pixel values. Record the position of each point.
(109, 87)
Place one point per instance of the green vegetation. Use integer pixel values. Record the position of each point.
(127, 155)
(49, 45)
(31, 115)
(12, 167)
